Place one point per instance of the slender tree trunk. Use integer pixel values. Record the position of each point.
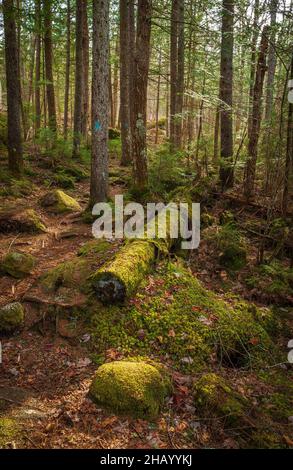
(49, 64)
(226, 95)
(173, 70)
(111, 101)
(253, 62)
(270, 92)
(15, 156)
(180, 76)
(249, 175)
(38, 67)
(115, 84)
(142, 56)
(132, 32)
(216, 134)
(85, 61)
(158, 97)
(100, 102)
(288, 181)
(67, 69)
(124, 83)
(79, 76)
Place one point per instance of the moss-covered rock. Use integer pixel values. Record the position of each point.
(137, 389)
(11, 317)
(229, 245)
(71, 274)
(18, 264)
(9, 429)
(21, 220)
(212, 395)
(59, 202)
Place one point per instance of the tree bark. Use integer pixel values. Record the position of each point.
(79, 77)
(124, 83)
(253, 62)
(270, 91)
(100, 102)
(158, 97)
(15, 156)
(142, 56)
(85, 61)
(38, 67)
(250, 168)
(288, 181)
(226, 94)
(67, 70)
(48, 46)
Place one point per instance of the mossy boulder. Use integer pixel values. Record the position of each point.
(59, 202)
(18, 264)
(9, 429)
(11, 317)
(213, 396)
(137, 389)
(21, 220)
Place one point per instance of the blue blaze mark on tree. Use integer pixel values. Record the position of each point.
(98, 126)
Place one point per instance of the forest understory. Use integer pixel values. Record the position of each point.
(48, 364)
(126, 343)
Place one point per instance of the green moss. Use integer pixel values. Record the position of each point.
(230, 245)
(212, 395)
(200, 324)
(9, 429)
(128, 268)
(94, 247)
(59, 202)
(33, 220)
(72, 274)
(18, 264)
(11, 317)
(274, 279)
(137, 389)
(207, 220)
(227, 217)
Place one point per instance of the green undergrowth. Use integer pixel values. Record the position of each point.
(273, 279)
(175, 316)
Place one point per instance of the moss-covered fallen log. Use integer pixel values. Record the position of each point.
(119, 278)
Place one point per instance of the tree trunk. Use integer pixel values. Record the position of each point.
(124, 83)
(49, 64)
(67, 70)
(249, 175)
(115, 84)
(226, 95)
(288, 182)
(158, 97)
(142, 56)
(15, 156)
(100, 102)
(85, 61)
(173, 70)
(270, 92)
(132, 32)
(216, 134)
(38, 67)
(79, 76)
(253, 62)
(180, 76)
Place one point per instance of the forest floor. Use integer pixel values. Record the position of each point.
(47, 367)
